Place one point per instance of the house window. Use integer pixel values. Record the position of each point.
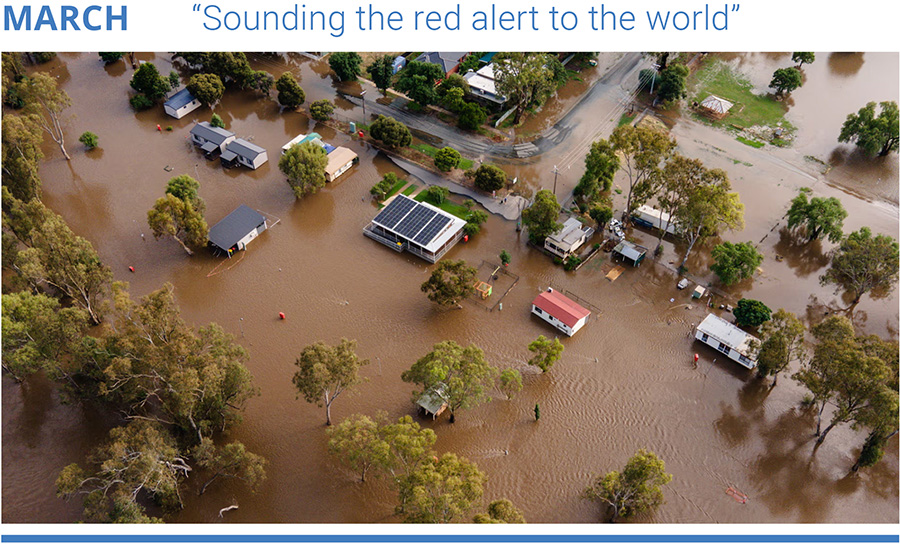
(724, 348)
(743, 359)
(704, 337)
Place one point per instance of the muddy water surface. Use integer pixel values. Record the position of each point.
(625, 381)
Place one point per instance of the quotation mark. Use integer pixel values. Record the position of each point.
(735, 7)
(196, 7)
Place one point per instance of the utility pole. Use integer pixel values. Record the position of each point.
(363, 97)
(555, 172)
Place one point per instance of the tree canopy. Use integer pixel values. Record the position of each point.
(321, 110)
(440, 491)
(450, 282)
(304, 166)
(751, 313)
(489, 178)
(22, 139)
(672, 82)
(785, 80)
(735, 262)
(366, 445)
(541, 217)
(390, 132)
(818, 216)
(546, 352)
(148, 81)
(345, 65)
(865, 263)
(446, 159)
(801, 57)
(179, 214)
(290, 94)
(500, 511)
(207, 88)
(325, 372)
(637, 489)
(782, 343)
(643, 151)
(381, 71)
(600, 166)
(524, 78)
(873, 134)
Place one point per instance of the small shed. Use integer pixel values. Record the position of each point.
(560, 311)
(398, 64)
(716, 107)
(340, 160)
(630, 252)
(237, 229)
(241, 152)
(433, 400)
(181, 104)
(729, 340)
(699, 291)
(209, 139)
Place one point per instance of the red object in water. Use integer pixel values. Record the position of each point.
(466, 238)
(696, 357)
(158, 127)
(131, 268)
(360, 134)
(281, 316)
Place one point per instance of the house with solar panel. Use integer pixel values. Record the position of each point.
(564, 314)
(418, 228)
(181, 104)
(237, 229)
(211, 140)
(241, 152)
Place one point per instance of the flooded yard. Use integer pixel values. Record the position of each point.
(625, 381)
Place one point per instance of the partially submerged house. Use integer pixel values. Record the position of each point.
(340, 160)
(211, 140)
(482, 85)
(233, 232)
(629, 252)
(569, 239)
(433, 400)
(563, 313)
(448, 62)
(419, 228)
(315, 138)
(729, 340)
(181, 104)
(241, 152)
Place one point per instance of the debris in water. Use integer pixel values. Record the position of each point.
(227, 509)
(737, 495)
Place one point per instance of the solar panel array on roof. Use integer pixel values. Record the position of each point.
(433, 228)
(395, 211)
(414, 222)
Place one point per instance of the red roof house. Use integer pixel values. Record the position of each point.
(560, 311)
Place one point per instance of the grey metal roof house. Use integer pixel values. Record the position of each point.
(239, 151)
(209, 138)
(447, 61)
(181, 104)
(237, 229)
(568, 239)
(631, 252)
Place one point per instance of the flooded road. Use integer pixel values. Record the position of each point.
(624, 382)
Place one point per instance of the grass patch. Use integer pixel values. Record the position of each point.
(749, 142)
(447, 206)
(414, 107)
(464, 163)
(626, 119)
(394, 189)
(410, 189)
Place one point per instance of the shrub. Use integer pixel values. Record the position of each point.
(490, 178)
(89, 140)
(571, 263)
(321, 110)
(140, 102)
(217, 121)
(446, 159)
(471, 116)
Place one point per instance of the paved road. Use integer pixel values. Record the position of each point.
(617, 87)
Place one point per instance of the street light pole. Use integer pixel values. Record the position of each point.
(555, 172)
(363, 97)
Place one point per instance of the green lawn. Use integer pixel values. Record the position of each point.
(394, 189)
(430, 151)
(410, 189)
(626, 119)
(447, 206)
(717, 78)
(748, 142)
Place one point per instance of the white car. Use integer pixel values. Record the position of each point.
(613, 224)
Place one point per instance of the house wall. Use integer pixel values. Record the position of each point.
(184, 110)
(721, 346)
(332, 176)
(562, 327)
(242, 244)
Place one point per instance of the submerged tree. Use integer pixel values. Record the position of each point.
(818, 217)
(450, 282)
(782, 343)
(546, 352)
(801, 57)
(46, 101)
(304, 166)
(541, 218)
(785, 80)
(231, 461)
(526, 79)
(510, 382)
(865, 263)
(345, 64)
(643, 151)
(735, 262)
(325, 372)
(22, 139)
(501, 511)
(290, 94)
(440, 491)
(874, 134)
(181, 219)
(637, 489)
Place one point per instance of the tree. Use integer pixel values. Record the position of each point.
(417, 79)
(181, 220)
(381, 71)
(325, 372)
(436, 194)
(510, 382)
(672, 82)
(390, 132)
(46, 102)
(637, 489)
(454, 99)
(782, 343)
(735, 261)
(207, 88)
(110, 57)
(471, 116)
(505, 258)
(450, 282)
(602, 215)
(321, 110)
(818, 217)
(174, 80)
(140, 102)
(229, 66)
(546, 352)
(140, 459)
(803, 57)
(451, 82)
(785, 80)
(881, 418)
(600, 166)
(89, 139)
(875, 135)
(460, 376)
(440, 491)
(446, 159)
(229, 461)
(643, 151)
(489, 178)
(148, 81)
(709, 206)
(345, 65)
(541, 217)
(500, 511)
(364, 445)
(383, 186)
(524, 78)
(260, 80)
(290, 94)
(304, 166)
(37, 332)
(864, 263)
(217, 121)
(473, 222)
(22, 139)
(751, 313)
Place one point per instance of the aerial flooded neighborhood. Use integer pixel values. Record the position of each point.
(450, 287)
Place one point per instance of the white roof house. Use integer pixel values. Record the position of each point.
(419, 228)
(728, 339)
(482, 84)
(569, 239)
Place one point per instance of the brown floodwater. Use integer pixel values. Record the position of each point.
(625, 381)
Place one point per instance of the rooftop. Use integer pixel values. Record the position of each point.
(339, 157)
(213, 134)
(447, 61)
(420, 223)
(630, 250)
(717, 104)
(180, 99)
(560, 307)
(235, 227)
(243, 148)
(571, 233)
(728, 333)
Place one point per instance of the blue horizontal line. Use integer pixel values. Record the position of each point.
(377, 539)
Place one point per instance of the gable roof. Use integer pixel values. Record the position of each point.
(560, 307)
(571, 232)
(339, 157)
(234, 227)
(245, 149)
(447, 61)
(730, 334)
(717, 104)
(630, 250)
(180, 99)
(213, 134)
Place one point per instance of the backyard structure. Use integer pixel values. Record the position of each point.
(630, 253)
(569, 239)
(209, 139)
(651, 218)
(433, 401)
(233, 232)
(241, 152)
(340, 160)
(482, 85)
(448, 62)
(716, 107)
(560, 311)
(729, 340)
(315, 138)
(420, 228)
(181, 104)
